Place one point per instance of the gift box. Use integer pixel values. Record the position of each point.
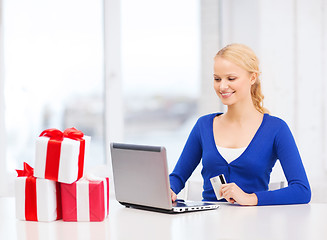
(60, 156)
(85, 200)
(36, 199)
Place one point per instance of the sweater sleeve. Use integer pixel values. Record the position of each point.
(298, 190)
(188, 160)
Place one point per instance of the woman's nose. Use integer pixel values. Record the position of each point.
(223, 85)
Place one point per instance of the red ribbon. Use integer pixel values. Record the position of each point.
(30, 199)
(28, 171)
(75, 134)
(30, 192)
(53, 152)
(53, 133)
(54, 147)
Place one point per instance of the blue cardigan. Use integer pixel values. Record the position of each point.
(250, 171)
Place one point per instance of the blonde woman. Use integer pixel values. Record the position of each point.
(244, 142)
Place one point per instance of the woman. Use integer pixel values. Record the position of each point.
(243, 143)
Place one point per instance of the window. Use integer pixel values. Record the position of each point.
(53, 55)
(160, 61)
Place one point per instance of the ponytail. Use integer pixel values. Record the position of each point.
(257, 97)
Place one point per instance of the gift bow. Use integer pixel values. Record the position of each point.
(28, 171)
(56, 134)
(73, 133)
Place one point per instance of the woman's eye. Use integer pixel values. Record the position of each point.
(217, 79)
(231, 78)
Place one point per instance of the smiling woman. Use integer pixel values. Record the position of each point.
(260, 140)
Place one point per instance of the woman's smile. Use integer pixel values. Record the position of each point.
(226, 94)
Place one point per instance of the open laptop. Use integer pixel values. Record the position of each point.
(141, 179)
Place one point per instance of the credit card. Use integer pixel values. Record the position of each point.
(216, 183)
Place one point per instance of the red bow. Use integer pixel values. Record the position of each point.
(56, 134)
(52, 133)
(27, 172)
(73, 133)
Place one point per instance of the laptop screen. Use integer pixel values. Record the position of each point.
(141, 175)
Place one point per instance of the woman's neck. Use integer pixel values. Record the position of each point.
(239, 113)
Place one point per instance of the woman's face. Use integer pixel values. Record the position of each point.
(231, 82)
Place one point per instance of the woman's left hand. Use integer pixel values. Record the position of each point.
(233, 193)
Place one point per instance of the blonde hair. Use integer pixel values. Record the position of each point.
(244, 57)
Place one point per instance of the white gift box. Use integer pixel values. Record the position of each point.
(37, 199)
(59, 160)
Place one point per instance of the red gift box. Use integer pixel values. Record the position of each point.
(85, 200)
(60, 155)
(36, 199)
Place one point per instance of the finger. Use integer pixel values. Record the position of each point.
(173, 196)
(228, 195)
(225, 185)
(230, 200)
(223, 188)
(226, 190)
(221, 191)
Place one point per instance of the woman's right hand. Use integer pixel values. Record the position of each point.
(173, 196)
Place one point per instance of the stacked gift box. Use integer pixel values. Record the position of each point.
(57, 188)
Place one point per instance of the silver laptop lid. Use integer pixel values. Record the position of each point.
(141, 175)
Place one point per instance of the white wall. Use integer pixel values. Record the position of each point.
(292, 50)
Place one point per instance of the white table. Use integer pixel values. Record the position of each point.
(229, 222)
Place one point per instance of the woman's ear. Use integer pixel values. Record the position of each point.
(253, 78)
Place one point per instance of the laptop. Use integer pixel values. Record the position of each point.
(141, 180)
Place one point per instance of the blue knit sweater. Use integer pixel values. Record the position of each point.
(250, 171)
